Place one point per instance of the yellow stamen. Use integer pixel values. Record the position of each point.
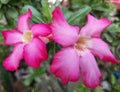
(27, 36)
(82, 43)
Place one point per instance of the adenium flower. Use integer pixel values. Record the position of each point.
(27, 43)
(114, 1)
(79, 48)
(65, 2)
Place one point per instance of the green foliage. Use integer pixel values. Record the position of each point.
(4, 1)
(113, 79)
(117, 88)
(1, 14)
(12, 12)
(47, 11)
(82, 88)
(34, 75)
(78, 16)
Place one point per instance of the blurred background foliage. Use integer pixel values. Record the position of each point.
(27, 79)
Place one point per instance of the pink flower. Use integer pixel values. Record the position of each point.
(65, 2)
(114, 1)
(26, 43)
(79, 49)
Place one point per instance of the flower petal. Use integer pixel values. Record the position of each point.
(12, 37)
(63, 33)
(89, 70)
(94, 27)
(114, 1)
(66, 65)
(23, 21)
(11, 63)
(35, 52)
(100, 48)
(41, 30)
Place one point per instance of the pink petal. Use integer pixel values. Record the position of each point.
(115, 1)
(35, 52)
(89, 70)
(65, 65)
(94, 27)
(12, 37)
(11, 63)
(100, 48)
(23, 21)
(118, 7)
(45, 39)
(58, 16)
(41, 30)
(63, 33)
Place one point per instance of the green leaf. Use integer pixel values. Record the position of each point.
(34, 74)
(47, 10)
(12, 12)
(113, 79)
(117, 88)
(33, 90)
(0, 5)
(28, 81)
(4, 1)
(80, 14)
(108, 37)
(66, 12)
(38, 72)
(37, 79)
(116, 42)
(36, 15)
(114, 28)
(1, 14)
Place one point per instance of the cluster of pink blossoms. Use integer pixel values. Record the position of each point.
(76, 58)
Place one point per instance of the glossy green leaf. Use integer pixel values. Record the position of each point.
(34, 75)
(1, 14)
(113, 79)
(66, 12)
(4, 1)
(28, 81)
(46, 10)
(114, 28)
(108, 37)
(0, 5)
(78, 15)
(116, 42)
(12, 12)
(117, 88)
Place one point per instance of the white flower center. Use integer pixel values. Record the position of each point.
(82, 44)
(27, 36)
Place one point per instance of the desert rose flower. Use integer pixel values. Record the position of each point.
(27, 43)
(114, 1)
(65, 2)
(79, 48)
